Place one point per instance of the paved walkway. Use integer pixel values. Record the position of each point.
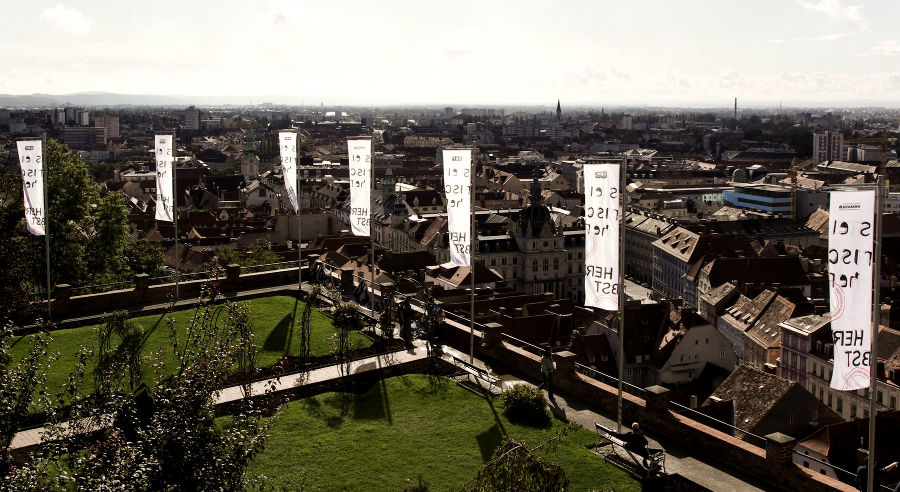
(33, 437)
(678, 455)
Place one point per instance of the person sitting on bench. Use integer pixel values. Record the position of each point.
(634, 442)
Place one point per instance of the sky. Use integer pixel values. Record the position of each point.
(483, 52)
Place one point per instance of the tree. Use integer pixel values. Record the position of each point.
(345, 319)
(142, 256)
(88, 231)
(168, 441)
(305, 321)
(19, 384)
(516, 467)
(257, 254)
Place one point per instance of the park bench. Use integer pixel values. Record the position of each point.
(478, 373)
(656, 457)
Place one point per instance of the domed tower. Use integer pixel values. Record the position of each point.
(535, 220)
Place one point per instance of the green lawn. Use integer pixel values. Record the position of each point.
(273, 327)
(410, 426)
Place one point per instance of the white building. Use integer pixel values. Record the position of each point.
(111, 123)
(191, 118)
(828, 146)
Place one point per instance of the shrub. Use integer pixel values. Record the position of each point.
(526, 405)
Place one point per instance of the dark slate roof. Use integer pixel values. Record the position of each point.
(753, 392)
(786, 270)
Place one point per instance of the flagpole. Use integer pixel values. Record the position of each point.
(372, 228)
(175, 209)
(472, 251)
(622, 172)
(876, 321)
(299, 221)
(44, 170)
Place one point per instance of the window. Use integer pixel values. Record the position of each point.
(853, 410)
(628, 372)
(894, 402)
(640, 359)
(791, 418)
(806, 464)
(546, 264)
(721, 354)
(515, 260)
(840, 404)
(262, 192)
(829, 399)
(880, 397)
(814, 414)
(534, 266)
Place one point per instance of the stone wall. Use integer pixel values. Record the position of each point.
(771, 464)
(67, 306)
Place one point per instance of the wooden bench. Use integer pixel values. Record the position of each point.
(478, 373)
(656, 457)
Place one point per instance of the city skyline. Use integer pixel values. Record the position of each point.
(799, 53)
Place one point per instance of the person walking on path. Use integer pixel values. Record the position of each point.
(547, 369)
(862, 475)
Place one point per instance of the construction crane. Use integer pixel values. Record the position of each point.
(796, 166)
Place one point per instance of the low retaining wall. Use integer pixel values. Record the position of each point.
(772, 464)
(65, 305)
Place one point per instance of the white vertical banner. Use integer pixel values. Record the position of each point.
(31, 160)
(457, 190)
(165, 159)
(288, 143)
(850, 262)
(601, 236)
(360, 156)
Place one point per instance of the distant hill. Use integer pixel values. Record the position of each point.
(95, 99)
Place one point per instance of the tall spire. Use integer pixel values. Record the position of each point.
(558, 110)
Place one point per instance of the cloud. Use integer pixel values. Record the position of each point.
(68, 19)
(826, 37)
(888, 47)
(838, 11)
(283, 12)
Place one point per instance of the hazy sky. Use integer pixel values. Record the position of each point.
(458, 52)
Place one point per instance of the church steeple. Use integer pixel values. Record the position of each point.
(558, 110)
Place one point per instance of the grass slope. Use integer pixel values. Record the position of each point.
(272, 318)
(410, 426)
